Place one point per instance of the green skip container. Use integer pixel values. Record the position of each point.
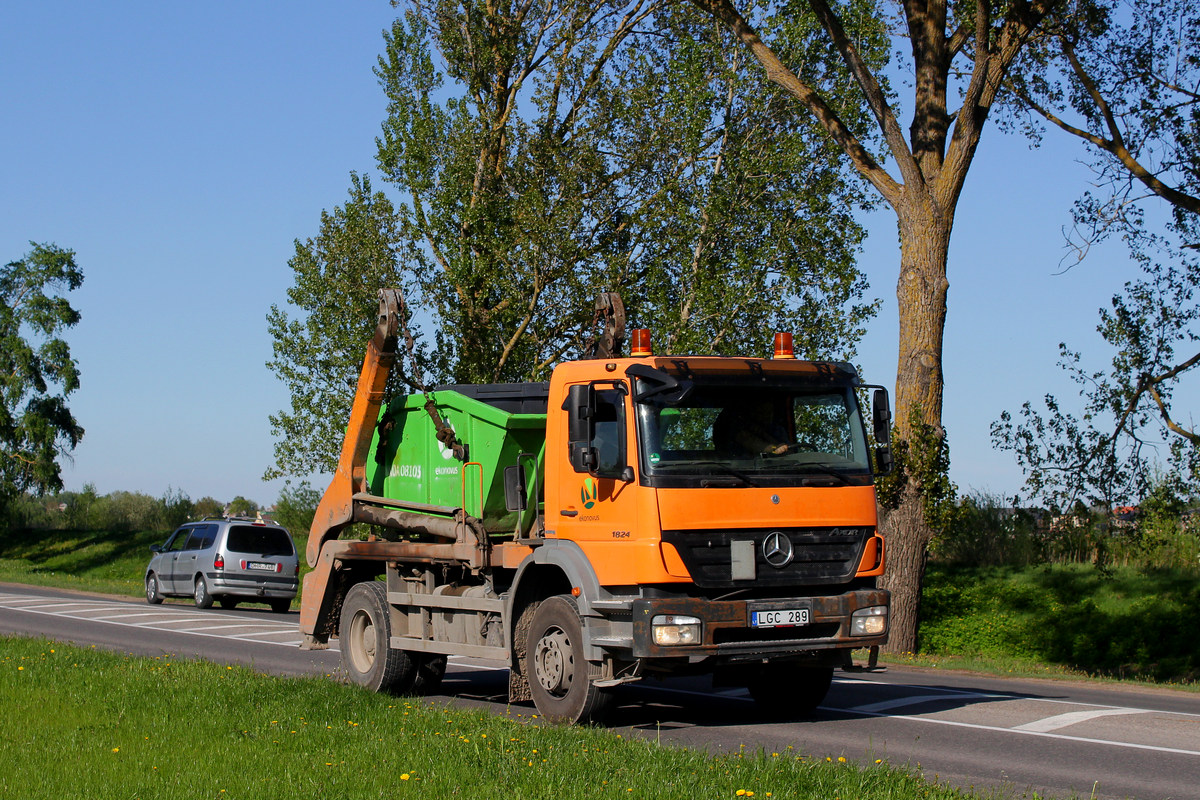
(496, 422)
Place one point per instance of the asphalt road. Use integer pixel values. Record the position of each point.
(1057, 738)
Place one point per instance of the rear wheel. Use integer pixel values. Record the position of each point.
(554, 663)
(365, 632)
(788, 691)
(153, 594)
(281, 606)
(228, 603)
(202, 597)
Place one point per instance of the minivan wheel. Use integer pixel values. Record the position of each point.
(281, 606)
(201, 595)
(228, 603)
(364, 632)
(153, 596)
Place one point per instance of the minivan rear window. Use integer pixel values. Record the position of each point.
(260, 541)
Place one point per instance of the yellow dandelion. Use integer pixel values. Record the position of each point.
(841, 759)
(405, 776)
(116, 749)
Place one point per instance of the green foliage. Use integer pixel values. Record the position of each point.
(1123, 623)
(241, 507)
(37, 372)
(296, 506)
(1121, 77)
(540, 153)
(983, 532)
(318, 353)
(292, 737)
(207, 507)
(922, 460)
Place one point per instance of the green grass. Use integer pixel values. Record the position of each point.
(107, 562)
(141, 728)
(1123, 623)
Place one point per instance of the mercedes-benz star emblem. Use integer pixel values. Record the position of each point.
(777, 550)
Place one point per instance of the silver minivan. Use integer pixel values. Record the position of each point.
(231, 560)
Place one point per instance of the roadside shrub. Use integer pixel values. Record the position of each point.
(1125, 622)
(296, 507)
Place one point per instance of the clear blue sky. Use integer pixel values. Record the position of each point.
(181, 148)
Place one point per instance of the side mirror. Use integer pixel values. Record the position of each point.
(881, 417)
(156, 548)
(581, 426)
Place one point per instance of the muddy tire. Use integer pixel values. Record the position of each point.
(788, 691)
(558, 674)
(364, 634)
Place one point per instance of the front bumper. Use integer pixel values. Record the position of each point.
(728, 635)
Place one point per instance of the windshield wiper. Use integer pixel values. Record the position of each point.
(816, 468)
(718, 464)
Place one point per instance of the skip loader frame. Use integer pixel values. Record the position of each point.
(596, 529)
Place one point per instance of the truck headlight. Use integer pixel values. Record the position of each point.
(673, 629)
(869, 621)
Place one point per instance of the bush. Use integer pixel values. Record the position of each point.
(1124, 622)
(296, 507)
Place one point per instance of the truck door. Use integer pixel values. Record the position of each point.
(598, 508)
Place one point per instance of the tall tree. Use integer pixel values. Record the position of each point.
(542, 151)
(1123, 79)
(37, 372)
(958, 51)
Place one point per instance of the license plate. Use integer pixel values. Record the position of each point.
(780, 618)
(263, 566)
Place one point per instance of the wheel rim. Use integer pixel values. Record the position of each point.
(201, 591)
(151, 588)
(362, 642)
(553, 663)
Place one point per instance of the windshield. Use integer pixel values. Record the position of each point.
(751, 433)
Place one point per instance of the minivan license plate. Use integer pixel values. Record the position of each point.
(780, 618)
(261, 565)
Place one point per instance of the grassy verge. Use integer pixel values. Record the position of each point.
(138, 727)
(109, 562)
(1064, 619)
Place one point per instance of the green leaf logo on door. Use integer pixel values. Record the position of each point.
(589, 492)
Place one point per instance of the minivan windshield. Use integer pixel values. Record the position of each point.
(751, 432)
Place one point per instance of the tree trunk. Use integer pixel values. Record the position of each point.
(921, 295)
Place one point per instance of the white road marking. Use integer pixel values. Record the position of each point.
(166, 619)
(1063, 720)
(917, 699)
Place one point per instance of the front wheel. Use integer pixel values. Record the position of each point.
(365, 632)
(788, 691)
(153, 594)
(558, 673)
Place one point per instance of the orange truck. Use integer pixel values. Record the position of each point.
(640, 516)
